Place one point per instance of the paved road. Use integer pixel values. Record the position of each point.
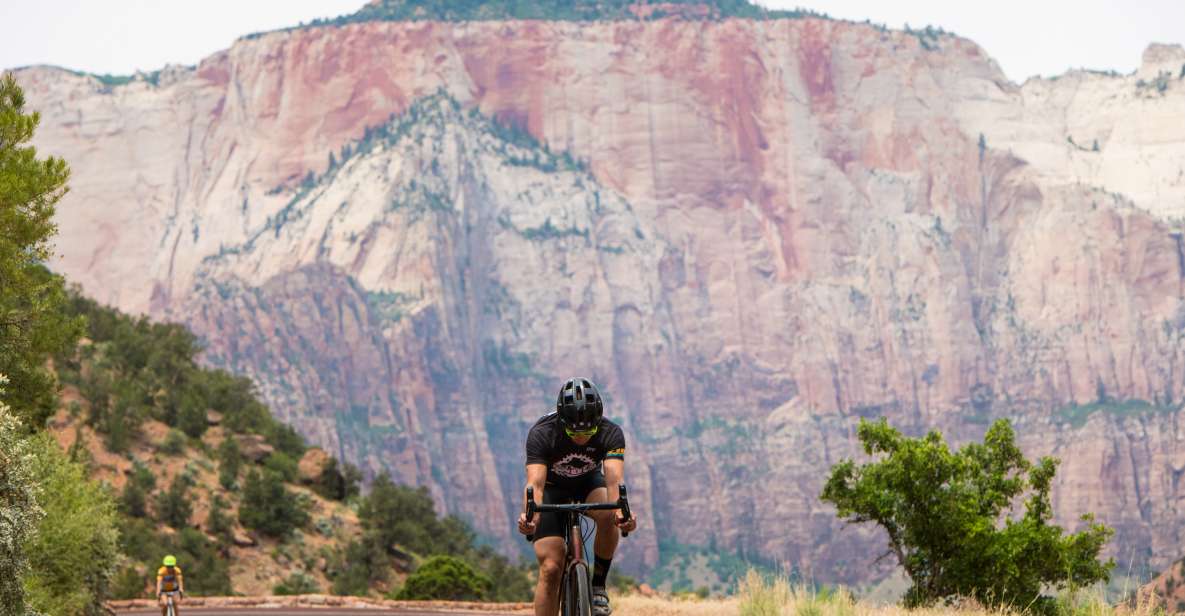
(288, 611)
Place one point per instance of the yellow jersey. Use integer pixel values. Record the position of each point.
(169, 578)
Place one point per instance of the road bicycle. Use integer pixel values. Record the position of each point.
(575, 585)
(171, 610)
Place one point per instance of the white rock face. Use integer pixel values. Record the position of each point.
(1123, 134)
(784, 226)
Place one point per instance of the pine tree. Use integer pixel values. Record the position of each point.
(32, 319)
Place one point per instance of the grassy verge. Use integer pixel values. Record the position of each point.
(759, 595)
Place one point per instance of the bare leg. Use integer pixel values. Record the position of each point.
(605, 545)
(549, 551)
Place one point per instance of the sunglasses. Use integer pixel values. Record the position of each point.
(580, 433)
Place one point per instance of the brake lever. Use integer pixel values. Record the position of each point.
(625, 506)
(530, 510)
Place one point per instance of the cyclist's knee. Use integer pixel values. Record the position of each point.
(549, 570)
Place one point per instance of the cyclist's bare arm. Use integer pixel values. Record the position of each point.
(614, 477)
(536, 478)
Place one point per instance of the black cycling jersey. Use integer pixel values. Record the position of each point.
(569, 464)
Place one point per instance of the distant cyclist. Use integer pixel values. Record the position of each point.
(169, 582)
(575, 454)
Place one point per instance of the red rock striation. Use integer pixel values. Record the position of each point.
(781, 227)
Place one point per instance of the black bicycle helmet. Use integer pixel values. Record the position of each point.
(579, 405)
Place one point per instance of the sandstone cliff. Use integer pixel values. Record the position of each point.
(750, 233)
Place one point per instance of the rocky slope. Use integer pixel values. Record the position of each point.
(256, 563)
(751, 233)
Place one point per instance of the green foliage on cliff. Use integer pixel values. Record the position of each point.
(947, 517)
(1078, 414)
(138, 369)
(561, 10)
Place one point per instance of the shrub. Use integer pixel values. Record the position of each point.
(942, 512)
(621, 582)
(283, 465)
(298, 583)
(18, 510)
(269, 507)
(174, 443)
(447, 578)
(72, 558)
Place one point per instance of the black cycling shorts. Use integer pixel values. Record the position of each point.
(550, 524)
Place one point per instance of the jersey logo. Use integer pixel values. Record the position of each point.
(616, 453)
(574, 465)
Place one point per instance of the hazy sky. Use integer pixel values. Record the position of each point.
(1027, 37)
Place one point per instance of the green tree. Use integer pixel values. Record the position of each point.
(338, 482)
(19, 512)
(359, 565)
(399, 515)
(510, 581)
(173, 506)
(130, 583)
(218, 523)
(946, 516)
(229, 461)
(134, 501)
(269, 507)
(74, 554)
(447, 578)
(208, 568)
(33, 324)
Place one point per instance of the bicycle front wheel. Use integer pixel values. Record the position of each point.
(577, 593)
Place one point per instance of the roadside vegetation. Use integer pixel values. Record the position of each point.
(949, 519)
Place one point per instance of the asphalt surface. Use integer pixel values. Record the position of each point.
(288, 611)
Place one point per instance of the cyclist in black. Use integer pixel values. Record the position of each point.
(566, 451)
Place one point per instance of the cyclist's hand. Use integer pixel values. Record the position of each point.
(627, 525)
(524, 527)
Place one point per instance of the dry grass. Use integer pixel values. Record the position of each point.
(637, 605)
(758, 597)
